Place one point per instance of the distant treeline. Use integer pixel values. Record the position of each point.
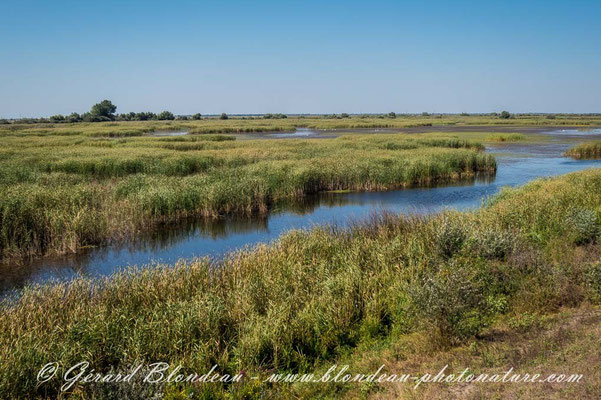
(106, 111)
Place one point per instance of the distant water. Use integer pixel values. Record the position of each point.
(169, 133)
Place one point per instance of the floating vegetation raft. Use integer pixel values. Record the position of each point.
(588, 150)
(61, 192)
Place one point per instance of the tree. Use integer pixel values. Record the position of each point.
(104, 109)
(505, 114)
(223, 116)
(89, 117)
(344, 115)
(165, 115)
(144, 116)
(57, 118)
(391, 115)
(197, 116)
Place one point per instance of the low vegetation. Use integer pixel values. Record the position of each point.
(588, 150)
(506, 137)
(63, 189)
(312, 297)
(106, 111)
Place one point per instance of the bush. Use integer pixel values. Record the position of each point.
(197, 116)
(74, 117)
(505, 115)
(57, 118)
(453, 299)
(223, 116)
(89, 117)
(165, 115)
(493, 243)
(449, 237)
(145, 116)
(584, 225)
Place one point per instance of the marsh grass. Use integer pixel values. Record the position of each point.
(313, 296)
(506, 137)
(63, 192)
(588, 150)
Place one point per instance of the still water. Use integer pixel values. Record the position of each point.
(518, 163)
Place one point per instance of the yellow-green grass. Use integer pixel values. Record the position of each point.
(503, 137)
(314, 297)
(588, 150)
(58, 193)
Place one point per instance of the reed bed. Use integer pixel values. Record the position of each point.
(61, 192)
(589, 150)
(313, 296)
(506, 137)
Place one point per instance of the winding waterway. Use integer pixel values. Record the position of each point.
(518, 163)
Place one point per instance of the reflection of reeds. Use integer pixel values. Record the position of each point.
(314, 296)
(63, 192)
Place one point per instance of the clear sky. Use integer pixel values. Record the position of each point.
(300, 56)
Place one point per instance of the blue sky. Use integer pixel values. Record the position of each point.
(300, 56)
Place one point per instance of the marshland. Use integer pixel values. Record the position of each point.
(73, 185)
(382, 264)
(72, 188)
(300, 200)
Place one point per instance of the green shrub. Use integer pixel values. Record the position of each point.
(584, 225)
(449, 237)
(165, 115)
(453, 299)
(492, 243)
